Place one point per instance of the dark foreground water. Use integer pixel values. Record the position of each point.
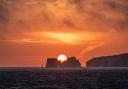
(37, 78)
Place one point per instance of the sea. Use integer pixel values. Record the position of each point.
(63, 78)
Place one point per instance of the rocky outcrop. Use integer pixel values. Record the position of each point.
(52, 62)
(109, 61)
(70, 62)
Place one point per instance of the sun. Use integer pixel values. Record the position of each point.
(62, 58)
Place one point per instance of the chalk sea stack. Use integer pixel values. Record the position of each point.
(120, 60)
(70, 62)
(52, 62)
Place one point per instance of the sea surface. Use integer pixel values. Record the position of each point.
(66, 78)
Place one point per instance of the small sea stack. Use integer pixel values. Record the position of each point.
(55, 63)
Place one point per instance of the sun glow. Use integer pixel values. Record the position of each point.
(62, 58)
(62, 37)
(71, 38)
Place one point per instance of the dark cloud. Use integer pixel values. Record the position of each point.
(117, 8)
(4, 19)
(111, 13)
(4, 13)
(69, 23)
(79, 4)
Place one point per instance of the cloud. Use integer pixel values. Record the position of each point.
(89, 15)
(4, 15)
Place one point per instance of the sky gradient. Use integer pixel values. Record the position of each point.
(33, 30)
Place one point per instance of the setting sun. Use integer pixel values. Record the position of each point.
(62, 58)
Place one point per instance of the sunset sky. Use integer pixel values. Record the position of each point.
(33, 30)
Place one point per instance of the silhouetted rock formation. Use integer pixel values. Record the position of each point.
(70, 62)
(109, 61)
(52, 62)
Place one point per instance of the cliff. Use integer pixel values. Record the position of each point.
(109, 61)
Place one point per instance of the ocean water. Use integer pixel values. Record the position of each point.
(80, 78)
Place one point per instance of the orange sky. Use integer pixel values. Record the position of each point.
(32, 30)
